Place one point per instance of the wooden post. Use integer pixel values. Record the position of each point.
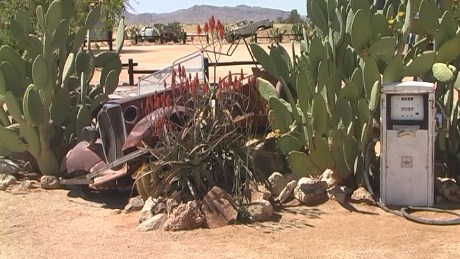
(255, 37)
(109, 36)
(131, 71)
(206, 67)
(185, 38)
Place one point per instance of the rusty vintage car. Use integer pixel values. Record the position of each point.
(120, 141)
(115, 147)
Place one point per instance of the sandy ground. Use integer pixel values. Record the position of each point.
(53, 224)
(153, 56)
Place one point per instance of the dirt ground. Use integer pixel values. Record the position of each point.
(55, 224)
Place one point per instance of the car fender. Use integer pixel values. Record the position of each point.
(83, 157)
(143, 130)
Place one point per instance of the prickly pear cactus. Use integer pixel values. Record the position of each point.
(46, 91)
(351, 52)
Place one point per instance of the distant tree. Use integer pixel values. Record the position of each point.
(279, 19)
(294, 17)
(113, 10)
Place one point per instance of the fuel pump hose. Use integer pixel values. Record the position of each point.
(405, 211)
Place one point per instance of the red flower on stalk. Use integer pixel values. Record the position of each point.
(198, 30)
(212, 23)
(206, 27)
(220, 29)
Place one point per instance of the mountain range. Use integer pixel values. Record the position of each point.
(201, 13)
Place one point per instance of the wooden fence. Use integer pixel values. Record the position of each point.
(132, 71)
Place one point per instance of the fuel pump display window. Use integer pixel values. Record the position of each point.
(407, 107)
(407, 111)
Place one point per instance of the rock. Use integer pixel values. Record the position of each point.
(277, 183)
(185, 217)
(448, 189)
(219, 208)
(336, 193)
(361, 195)
(261, 211)
(286, 192)
(173, 202)
(147, 210)
(330, 178)
(255, 192)
(49, 182)
(6, 180)
(25, 185)
(310, 191)
(153, 223)
(8, 167)
(134, 204)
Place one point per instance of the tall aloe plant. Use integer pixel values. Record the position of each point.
(46, 91)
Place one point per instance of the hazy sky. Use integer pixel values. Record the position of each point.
(167, 6)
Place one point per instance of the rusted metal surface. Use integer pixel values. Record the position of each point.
(83, 157)
(110, 175)
(143, 130)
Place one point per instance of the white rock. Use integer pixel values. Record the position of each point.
(287, 191)
(49, 182)
(261, 211)
(134, 204)
(310, 191)
(153, 223)
(6, 180)
(147, 209)
(277, 183)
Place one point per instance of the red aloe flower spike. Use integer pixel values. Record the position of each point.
(179, 70)
(206, 27)
(187, 85)
(163, 100)
(165, 84)
(241, 75)
(198, 29)
(212, 23)
(227, 84)
(168, 101)
(205, 88)
(194, 94)
(149, 104)
(222, 33)
(239, 85)
(221, 84)
(184, 74)
(229, 77)
(235, 81)
(173, 87)
(155, 98)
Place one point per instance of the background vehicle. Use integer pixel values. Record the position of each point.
(149, 34)
(244, 29)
